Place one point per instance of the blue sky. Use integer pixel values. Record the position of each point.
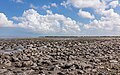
(32, 18)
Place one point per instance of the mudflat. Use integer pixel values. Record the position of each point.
(60, 56)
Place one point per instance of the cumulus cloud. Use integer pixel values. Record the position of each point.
(45, 7)
(53, 5)
(65, 4)
(109, 21)
(84, 3)
(49, 23)
(4, 22)
(85, 14)
(114, 4)
(33, 6)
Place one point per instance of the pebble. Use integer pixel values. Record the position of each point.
(113, 61)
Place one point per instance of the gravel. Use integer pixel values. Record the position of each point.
(48, 56)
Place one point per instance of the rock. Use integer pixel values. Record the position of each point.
(101, 67)
(1, 61)
(8, 73)
(67, 66)
(101, 74)
(18, 64)
(77, 66)
(34, 64)
(14, 59)
(7, 63)
(3, 70)
(52, 68)
(20, 47)
(60, 73)
(21, 73)
(1, 47)
(97, 60)
(27, 63)
(86, 66)
(17, 70)
(35, 67)
(25, 58)
(80, 72)
(60, 57)
(29, 72)
(94, 70)
(113, 61)
(45, 62)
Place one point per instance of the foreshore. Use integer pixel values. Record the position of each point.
(60, 56)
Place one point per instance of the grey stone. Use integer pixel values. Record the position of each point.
(7, 62)
(27, 63)
(18, 64)
(3, 70)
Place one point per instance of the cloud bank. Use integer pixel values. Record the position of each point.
(47, 24)
(50, 23)
(109, 20)
(85, 14)
(4, 22)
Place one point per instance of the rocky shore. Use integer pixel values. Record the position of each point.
(46, 56)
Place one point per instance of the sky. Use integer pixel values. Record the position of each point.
(33, 18)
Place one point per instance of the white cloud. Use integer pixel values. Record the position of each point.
(109, 21)
(49, 23)
(4, 22)
(85, 3)
(45, 7)
(53, 5)
(114, 4)
(65, 4)
(33, 6)
(49, 12)
(18, 1)
(85, 14)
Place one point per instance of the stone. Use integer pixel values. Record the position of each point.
(66, 66)
(94, 70)
(60, 57)
(113, 61)
(1, 61)
(80, 72)
(14, 59)
(29, 72)
(21, 73)
(1, 47)
(25, 58)
(60, 73)
(3, 70)
(45, 62)
(85, 65)
(27, 63)
(35, 67)
(8, 73)
(7, 63)
(18, 64)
